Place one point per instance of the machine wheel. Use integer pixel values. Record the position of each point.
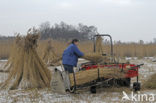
(136, 86)
(126, 82)
(93, 89)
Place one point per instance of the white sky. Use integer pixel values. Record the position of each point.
(125, 20)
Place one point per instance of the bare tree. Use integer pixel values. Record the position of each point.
(66, 32)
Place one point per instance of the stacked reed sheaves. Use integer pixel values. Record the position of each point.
(26, 69)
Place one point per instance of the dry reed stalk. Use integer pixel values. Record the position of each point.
(113, 72)
(13, 55)
(99, 45)
(5, 47)
(94, 57)
(86, 46)
(49, 56)
(120, 50)
(27, 70)
(97, 58)
(150, 83)
(87, 76)
(84, 76)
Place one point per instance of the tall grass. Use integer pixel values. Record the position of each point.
(120, 50)
(60, 46)
(135, 50)
(5, 48)
(150, 83)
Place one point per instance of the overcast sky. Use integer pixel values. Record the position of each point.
(126, 20)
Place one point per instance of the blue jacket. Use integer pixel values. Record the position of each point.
(71, 55)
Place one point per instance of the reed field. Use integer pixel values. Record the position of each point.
(5, 47)
(120, 50)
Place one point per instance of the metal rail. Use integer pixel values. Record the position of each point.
(111, 41)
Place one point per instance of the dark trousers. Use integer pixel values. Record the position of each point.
(68, 68)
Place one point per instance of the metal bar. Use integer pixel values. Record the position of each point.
(98, 74)
(132, 68)
(74, 82)
(111, 50)
(94, 50)
(110, 41)
(122, 67)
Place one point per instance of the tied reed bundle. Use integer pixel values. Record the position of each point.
(97, 58)
(27, 69)
(87, 76)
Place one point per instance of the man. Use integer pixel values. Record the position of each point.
(70, 59)
(71, 55)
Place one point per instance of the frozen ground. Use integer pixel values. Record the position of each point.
(104, 95)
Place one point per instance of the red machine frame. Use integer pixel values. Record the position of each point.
(130, 74)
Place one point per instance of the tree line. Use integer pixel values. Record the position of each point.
(64, 31)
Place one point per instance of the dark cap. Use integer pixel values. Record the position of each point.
(75, 40)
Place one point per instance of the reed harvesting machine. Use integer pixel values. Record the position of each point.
(133, 69)
(125, 81)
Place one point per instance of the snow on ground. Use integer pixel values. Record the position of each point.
(46, 96)
(104, 95)
(147, 70)
(2, 63)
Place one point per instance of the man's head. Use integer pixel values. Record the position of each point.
(75, 41)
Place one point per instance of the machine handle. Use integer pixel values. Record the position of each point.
(132, 68)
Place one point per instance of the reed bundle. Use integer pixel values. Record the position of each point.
(26, 68)
(49, 56)
(99, 45)
(87, 76)
(96, 58)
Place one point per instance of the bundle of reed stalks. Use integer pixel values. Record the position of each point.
(26, 68)
(96, 58)
(13, 54)
(50, 57)
(98, 44)
(87, 76)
